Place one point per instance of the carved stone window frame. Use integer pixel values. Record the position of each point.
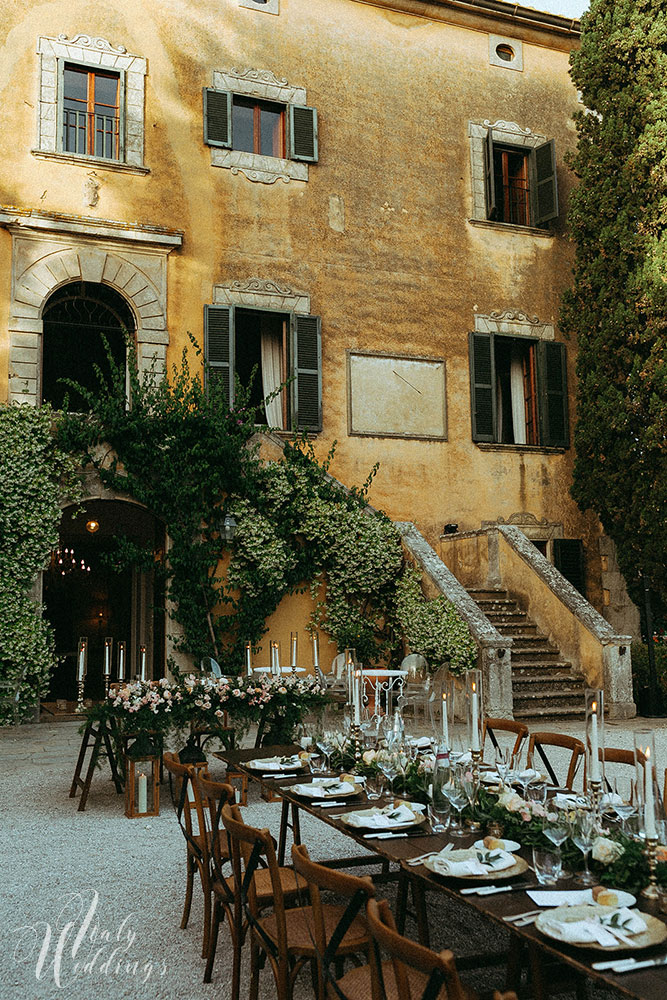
(51, 250)
(264, 85)
(504, 132)
(261, 293)
(93, 53)
(512, 323)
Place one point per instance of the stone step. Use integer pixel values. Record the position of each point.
(550, 712)
(545, 683)
(540, 643)
(566, 694)
(489, 595)
(525, 668)
(545, 654)
(520, 630)
(509, 617)
(499, 607)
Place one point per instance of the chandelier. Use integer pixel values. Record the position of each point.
(64, 561)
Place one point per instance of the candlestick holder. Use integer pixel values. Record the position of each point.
(595, 794)
(357, 738)
(476, 755)
(651, 891)
(79, 702)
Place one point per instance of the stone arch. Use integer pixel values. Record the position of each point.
(138, 277)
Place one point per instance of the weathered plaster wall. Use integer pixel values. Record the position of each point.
(378, 236)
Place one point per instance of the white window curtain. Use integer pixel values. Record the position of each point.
(271, 350)
(518, 402)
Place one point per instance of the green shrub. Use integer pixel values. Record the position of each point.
(641, 679)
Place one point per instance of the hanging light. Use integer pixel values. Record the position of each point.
(92, 526)
(229, 527)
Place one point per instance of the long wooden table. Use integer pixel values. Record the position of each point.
(645, 984)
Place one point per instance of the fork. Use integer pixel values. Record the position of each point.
(521, 916)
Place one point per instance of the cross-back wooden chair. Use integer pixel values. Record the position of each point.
(616, 755)
(536, 748)
(190, 813)
(285, 937)
(329, 935)
(215, 795)
(412, 971)
(518, 729)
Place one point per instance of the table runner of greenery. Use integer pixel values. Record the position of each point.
(199, 702)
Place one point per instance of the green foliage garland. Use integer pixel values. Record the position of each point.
(36, 479)
(433, 628)
(617, 308)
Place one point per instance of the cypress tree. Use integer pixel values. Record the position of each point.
(617, 307)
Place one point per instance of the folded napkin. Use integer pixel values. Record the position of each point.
(530, 774)
(471, 862)
(421, 743)
(581, 932)
(322, 788)
(382, 819)
(562, 801)
(628, 921)
(560, 897)
(276, 763)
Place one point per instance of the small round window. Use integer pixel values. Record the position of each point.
(505, 52)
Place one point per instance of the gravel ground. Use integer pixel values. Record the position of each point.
(119, 884)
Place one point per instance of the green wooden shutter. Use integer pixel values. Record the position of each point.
(218, 118)
(552, 388)
(489, 176)
(303, 133)
(306, 367)
(483, 387)
(219, 348)
(545, 197)
(569, 559)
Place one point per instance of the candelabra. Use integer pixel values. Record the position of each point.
(595, 794)
(476, 761)
(79, 702)
(651, 891)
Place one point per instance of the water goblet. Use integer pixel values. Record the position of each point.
(583, 835)
(388, 764)
(625, 799)
(439, 809)
(556, 829)
(374, 786)
(547, 864)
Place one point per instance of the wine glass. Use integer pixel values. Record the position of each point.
(388, 763)
(583, 835)
(503, 757)
(556, 828)
(625, 800)
(326, 744)
(470, 785)
(456, 794)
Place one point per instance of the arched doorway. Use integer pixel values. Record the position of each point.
(86, 595)
(78, 318)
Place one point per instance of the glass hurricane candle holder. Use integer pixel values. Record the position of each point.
(142, 778)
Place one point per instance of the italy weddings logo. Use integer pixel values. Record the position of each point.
(78, 944)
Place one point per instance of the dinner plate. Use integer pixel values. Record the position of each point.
(655, 933)
(518, 868)
(508, 845)
(322, 792)
(417, 821)
(261, 765)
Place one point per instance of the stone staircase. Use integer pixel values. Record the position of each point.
(543, 684)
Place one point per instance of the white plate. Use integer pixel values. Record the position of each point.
(311, 791)
(510, 845)
(274, 766)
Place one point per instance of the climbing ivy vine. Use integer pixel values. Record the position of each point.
(181, 452)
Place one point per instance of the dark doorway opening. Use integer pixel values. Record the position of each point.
(78, 319)
(86, 596)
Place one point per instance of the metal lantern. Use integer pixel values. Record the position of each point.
(142, 778)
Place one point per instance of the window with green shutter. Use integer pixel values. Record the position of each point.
(520, 181)
(276, 356)
(266, 128)
(518, 391)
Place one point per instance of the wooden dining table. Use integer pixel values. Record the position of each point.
(646, 984)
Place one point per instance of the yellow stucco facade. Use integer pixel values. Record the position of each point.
(385, 239)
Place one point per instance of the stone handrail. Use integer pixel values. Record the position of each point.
(494, 657)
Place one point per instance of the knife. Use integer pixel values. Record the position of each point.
(631, 965)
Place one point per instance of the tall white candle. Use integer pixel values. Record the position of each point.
(82, 663)
(445, 720)
(649, 805)
(294, 646)
(475, 718)
(595, 745)
(142, 794)
(357, 697)
(316, 649)
(107, 657)
(142, 662)
(121, 661)
(248, 658)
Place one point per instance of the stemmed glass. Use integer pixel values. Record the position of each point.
(389, 765)
(556, 828)
(326, 744)
(625, 799)
(583, 835)
(456, 794)
(470, 785)
(503, 763)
